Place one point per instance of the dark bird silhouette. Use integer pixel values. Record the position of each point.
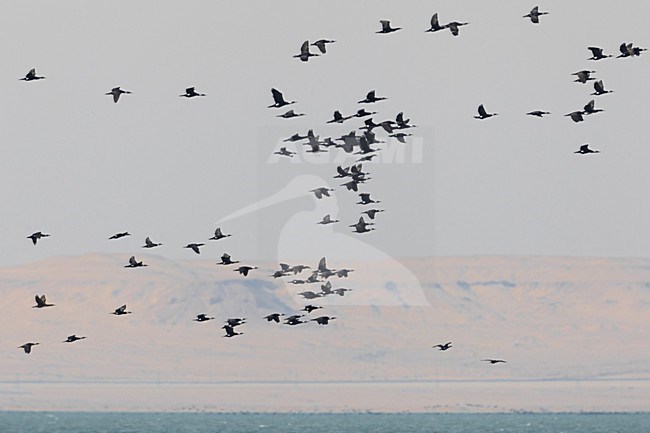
(190, 93)
(275, 317)
(327, 220)
(362, 226)
(202, 318)
(576, 116)
(279, 99)
(494, 361)
(386, 28)
(365, 199)
(310, 295)
(321, 44)
(304, 52)
(236, 321)
(27, 347)
(453, 27)
(585, 149)
(149, 244)
(194, 247)
(338, 118)
(372, 212)
(41, 302)
(294, 320)
(133, 263)
(326, 289)
(401, 137)
(371, 98)
(298, 269)
(225, 260)
(244, 270)
(323, 320)
(435, 25)
(290, 114)
(72, 338)
(31, 76)
(597, 53)
(535, 14)
(230, 331)
(402, 123)
(116, 92)
(343, 273)
(341, 291)
(295, 137)
(583, 76)
(218, 235)
(121, 311)
(309, 308)
(482, 114)
(629, 50)
(443, 346)
(364, 113)
(537, 113)
(36, 236)
(599, 88)
(284, 152)
(590, 108)
(322, 191)
(120, 235)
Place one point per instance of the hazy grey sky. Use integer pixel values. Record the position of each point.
(80, 167)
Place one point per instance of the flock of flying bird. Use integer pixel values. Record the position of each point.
(355, 175)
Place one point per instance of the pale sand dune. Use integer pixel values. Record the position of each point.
(551, 317)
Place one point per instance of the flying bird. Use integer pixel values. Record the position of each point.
(386, 28)
(599, 88)
(202, 318)
(494, 361)
(537, 113)
(338, 118)
(116, 92)
(482, 114)
(327, 220)
(284, 152)
(435, 25)
(590, 108)
(535, 14)
(121, 311)
(36, 236)
(309, 308)
(190, 93)
(321, 43)
(244, 270)
(576, 116)
(149, 244)
(443, 347)
(218, 235)
(323, 320)
(275, 317)
(27, 347)
(362, 226)
(372, 212)
(583, 76)
(597, 53)
(194, 247)
(322, 191)
(453, 27)
(72, 338)
(236, 321)
(585, 149)
(225, 260)
(133, 263)
(290, 114)
(371, 98)
(279, 100)
(31, 76)
(230, 331)
(304, 52)
(365, 199)
(120, 235)
(41, 302)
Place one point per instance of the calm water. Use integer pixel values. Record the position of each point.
(72, 422)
